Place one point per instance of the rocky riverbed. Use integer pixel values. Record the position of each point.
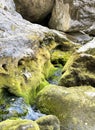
(47, 76)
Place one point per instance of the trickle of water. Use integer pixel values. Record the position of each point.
(24, 111)
(54, 79)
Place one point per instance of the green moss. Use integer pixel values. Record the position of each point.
(18, 124)
(79, 70)
(49, 122)
(70, 105)
(59, 57)
(27, 76)
(91, 51)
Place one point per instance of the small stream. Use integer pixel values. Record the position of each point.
(17, 108)
(54, 79)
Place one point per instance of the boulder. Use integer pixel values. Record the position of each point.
(79, 70)
(74, 15)
(49, 122)
(19, 124)
(34, 10)
(75, 106)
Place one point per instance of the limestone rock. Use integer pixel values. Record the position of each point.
(73, 15)
(73, 106)
(34, 10)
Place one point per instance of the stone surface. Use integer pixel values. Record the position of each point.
(19, 125)
(23, 52)
(79, 70)
(74, 15)
(75, 106)
(34, 10)
(49, 122)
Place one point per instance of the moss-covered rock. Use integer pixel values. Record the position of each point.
(79, 70)
(19, 125)
(73, 106)
(24, 76)
(49, 122)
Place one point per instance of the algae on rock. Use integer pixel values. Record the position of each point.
(73, 106)
(79, 70)
(18, 125)
(49, 122)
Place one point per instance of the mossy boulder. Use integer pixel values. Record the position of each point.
(19, 125)
(73, 106)
(49, 122)
(79, 70)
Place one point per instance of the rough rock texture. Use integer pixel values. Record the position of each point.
(32, 57)
(24, 57)
(75, 107)
(48, 123)
(34, 10)
(73, 15)
(79, 70)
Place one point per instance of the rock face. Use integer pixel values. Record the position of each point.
(73, 15)
(34, 10)
(74, 106)
(79, 70)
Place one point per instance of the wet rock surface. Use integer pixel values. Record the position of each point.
(16, 107)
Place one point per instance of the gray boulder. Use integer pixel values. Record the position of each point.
(73, 15)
